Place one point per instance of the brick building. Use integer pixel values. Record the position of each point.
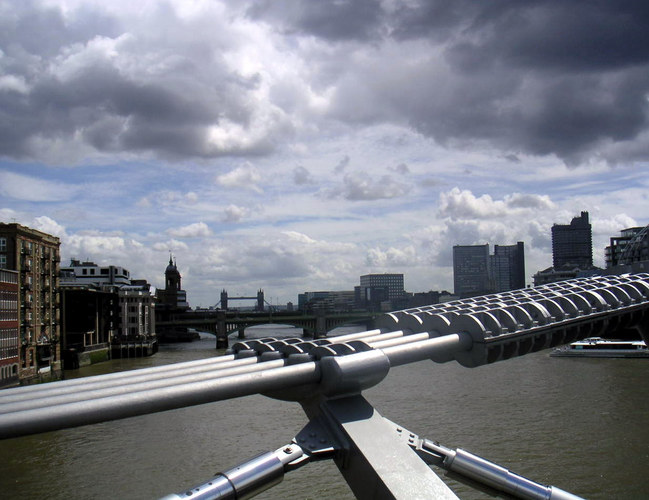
(35, 256)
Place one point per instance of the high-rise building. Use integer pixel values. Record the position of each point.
(471, 274)
(35, 255)
(508, 267)
(475, 272)
(572, 244)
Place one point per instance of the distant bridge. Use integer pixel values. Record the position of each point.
(222, 323)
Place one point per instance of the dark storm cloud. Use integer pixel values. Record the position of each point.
(80, 77)
(332, 20)
(544, 77)
(539, 77)
(27, 26)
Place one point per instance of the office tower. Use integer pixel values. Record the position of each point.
(508, 267)
(572, 244)
(35, 255)
(377, 288)
(471, 275)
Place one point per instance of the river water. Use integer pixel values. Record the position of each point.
(579, 424)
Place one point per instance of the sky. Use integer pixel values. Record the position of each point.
(293, 145)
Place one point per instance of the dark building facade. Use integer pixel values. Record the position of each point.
(378, 291)
(508, 267)
(35, 256)
(330, 301)
(171, 304)
(471, 274)
(572, 244)
(88, 322)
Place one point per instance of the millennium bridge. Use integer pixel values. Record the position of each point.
(378, 458)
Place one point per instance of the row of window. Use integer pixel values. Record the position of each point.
(7, 276)
(9, 372)
(8, 314)
(8, 343)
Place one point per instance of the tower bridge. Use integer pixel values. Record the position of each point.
(378, 458)
(224, 302)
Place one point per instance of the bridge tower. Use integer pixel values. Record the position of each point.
(224, 299)
(260, 300)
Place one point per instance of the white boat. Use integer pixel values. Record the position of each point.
(597, 347)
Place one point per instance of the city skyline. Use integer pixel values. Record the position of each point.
(291, 146)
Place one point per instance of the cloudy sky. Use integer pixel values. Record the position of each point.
(296, 145)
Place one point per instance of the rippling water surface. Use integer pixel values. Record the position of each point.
(579, 424)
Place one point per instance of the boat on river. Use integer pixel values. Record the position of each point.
(597, 347)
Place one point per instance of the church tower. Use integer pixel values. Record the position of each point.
(172, 277)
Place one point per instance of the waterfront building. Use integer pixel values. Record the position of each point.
(629, 249)
(35, 256)
(334, 301)
(103, 306)
(552, 275)
(137, 313)
(89, 314)
(380, 291)
(471, 274)
(9, 328)
(572, 244)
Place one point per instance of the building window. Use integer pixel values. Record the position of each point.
(3, 261)
(3, 244)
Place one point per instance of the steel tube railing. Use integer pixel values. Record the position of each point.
(146, 384)
(439, 349)
(145, 391)
(150, 401)
(17, 393)
(130, 378)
